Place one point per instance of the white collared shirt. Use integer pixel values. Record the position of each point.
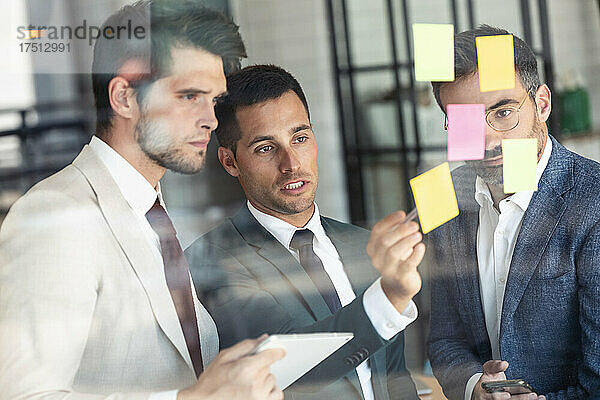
(386, 320)
(496, 239)
(141, 196)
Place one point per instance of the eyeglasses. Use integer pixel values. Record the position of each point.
(501, 119)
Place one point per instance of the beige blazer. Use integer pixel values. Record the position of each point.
(84, 306)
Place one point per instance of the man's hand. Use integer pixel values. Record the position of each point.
(493, 370)
(236, 374)
(396, 250)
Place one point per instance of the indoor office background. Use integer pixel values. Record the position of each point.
(376, 126)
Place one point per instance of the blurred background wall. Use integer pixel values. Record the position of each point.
(376, 126)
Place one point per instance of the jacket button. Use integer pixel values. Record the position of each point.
(357, 358)
(348, 361)
(364, 352)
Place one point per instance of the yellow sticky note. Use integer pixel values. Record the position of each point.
(495, 62)
(434, 52)
(435, 197)
(519, 161)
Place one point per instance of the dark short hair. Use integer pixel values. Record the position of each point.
(251, 85)
(171, 23)
(465, 59)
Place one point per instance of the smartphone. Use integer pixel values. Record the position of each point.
(512, 386)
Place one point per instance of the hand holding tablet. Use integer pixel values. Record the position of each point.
(302, 353)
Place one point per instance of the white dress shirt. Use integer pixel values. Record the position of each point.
(141, 196)
(386, 320)
(496, 238)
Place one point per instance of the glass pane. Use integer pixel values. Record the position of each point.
(369, 32)
(504, 14)
(408, 108)
(431, 12)
(385, 188)
(376, 108)
(430, 118)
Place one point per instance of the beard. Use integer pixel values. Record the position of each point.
(160, 148)
(493, 175)
(490, 174)
(266, 196)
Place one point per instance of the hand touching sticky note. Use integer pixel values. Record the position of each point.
(434, 52)
(466, 131)
(435, 197)
(519, 161)
(495, 62)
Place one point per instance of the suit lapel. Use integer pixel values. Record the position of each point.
(361, 275)
(355, 260)
(209, 337)
(123, 224)
(539, 222)
(275, 254)
(379, 376)
(463, 242)
(464, 250)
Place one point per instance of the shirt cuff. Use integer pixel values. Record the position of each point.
(471, 385)
(168, 395)
(386, 320)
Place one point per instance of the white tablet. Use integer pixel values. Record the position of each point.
(303, 351)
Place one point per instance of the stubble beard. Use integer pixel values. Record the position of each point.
(266, 198)
(156, 145)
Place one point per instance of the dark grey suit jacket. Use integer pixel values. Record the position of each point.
(251, 285)
(550, 322)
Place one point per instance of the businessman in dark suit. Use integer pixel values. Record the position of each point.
(278, 266)
(517, 276)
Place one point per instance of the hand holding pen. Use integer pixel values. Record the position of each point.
(396, 249)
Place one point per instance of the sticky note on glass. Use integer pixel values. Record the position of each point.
(519, 161)
(466, 131)
(434, 52)
(495, 62)
(435, 197)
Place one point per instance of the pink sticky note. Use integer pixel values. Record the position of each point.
(466, 131)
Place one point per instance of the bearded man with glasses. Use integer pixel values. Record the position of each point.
(515, 277)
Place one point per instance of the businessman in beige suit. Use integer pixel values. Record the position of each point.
(95, 295)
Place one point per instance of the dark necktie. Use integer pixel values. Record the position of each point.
(303, 242)
(178, 280)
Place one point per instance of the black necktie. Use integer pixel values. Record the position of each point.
(303, 242)
(178, 280)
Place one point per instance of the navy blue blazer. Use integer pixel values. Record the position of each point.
(550, 322)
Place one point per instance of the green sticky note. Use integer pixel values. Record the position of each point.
(519, 161)
(434, 197)
(495, 62)
(434, 52)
